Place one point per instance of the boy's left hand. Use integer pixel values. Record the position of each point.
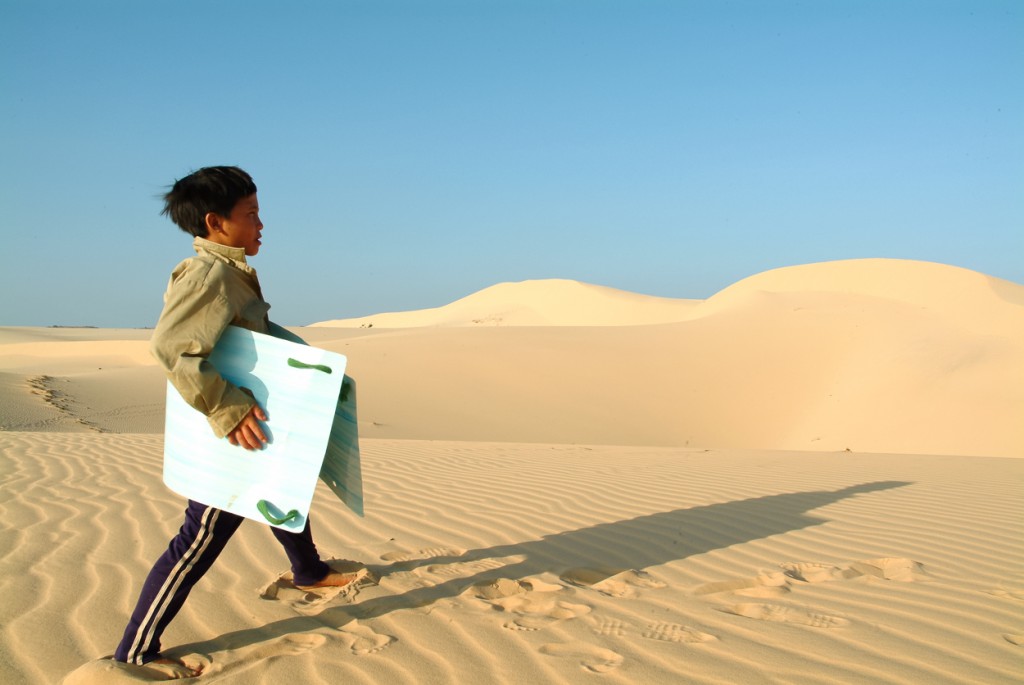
(249, 433)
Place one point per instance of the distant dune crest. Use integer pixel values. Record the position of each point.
(939, 288)
(546, 302)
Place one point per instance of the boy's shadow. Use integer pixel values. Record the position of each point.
(636, 543)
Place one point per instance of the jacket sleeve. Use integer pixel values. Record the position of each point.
(195, 315)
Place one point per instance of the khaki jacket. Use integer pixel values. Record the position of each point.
(206, 293)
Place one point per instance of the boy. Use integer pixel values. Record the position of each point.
(206, 293)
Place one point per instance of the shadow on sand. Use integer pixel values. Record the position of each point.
(636, 543)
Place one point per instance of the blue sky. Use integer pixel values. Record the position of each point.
(411, 153)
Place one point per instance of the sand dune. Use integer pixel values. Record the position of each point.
(60, 379)
(551, 302)
(863, 355)
(952, 292)
(797, 480)
(866, 355)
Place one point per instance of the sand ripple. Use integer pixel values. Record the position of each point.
(536, 563)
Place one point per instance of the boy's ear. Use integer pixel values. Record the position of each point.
(213, 222)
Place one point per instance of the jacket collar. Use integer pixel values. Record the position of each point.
(234, 255)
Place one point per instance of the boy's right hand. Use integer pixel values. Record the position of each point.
(249, 433)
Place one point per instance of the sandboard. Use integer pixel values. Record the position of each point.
(342, 469)
(311, 427)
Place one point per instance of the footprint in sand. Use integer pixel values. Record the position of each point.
(674, 632)
(610, 627)
(532, 603)
(499, 588)
(287, 645)
(534, 611)
(777, 613)
(773, 584)
(896, 569)
(612, 582)
(362, 639)
(110, 672)
(252, 656)
(309, 602)
(812, 572)
(358, 638)
(666, 632)
(590, 657)
(767, 584)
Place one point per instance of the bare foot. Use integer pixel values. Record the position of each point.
(173, 669)
(336, 579)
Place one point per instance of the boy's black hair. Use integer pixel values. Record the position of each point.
(214, 189)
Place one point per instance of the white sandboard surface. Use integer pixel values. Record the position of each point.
(299, 387)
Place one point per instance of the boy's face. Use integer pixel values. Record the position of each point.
(241, 228)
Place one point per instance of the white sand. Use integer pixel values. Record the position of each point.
(567, 483)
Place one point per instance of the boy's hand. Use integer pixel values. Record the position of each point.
(249, 433)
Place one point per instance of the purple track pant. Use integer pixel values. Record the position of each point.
(188, 557)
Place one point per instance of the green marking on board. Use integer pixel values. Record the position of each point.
(303, 365)
(264, 507)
